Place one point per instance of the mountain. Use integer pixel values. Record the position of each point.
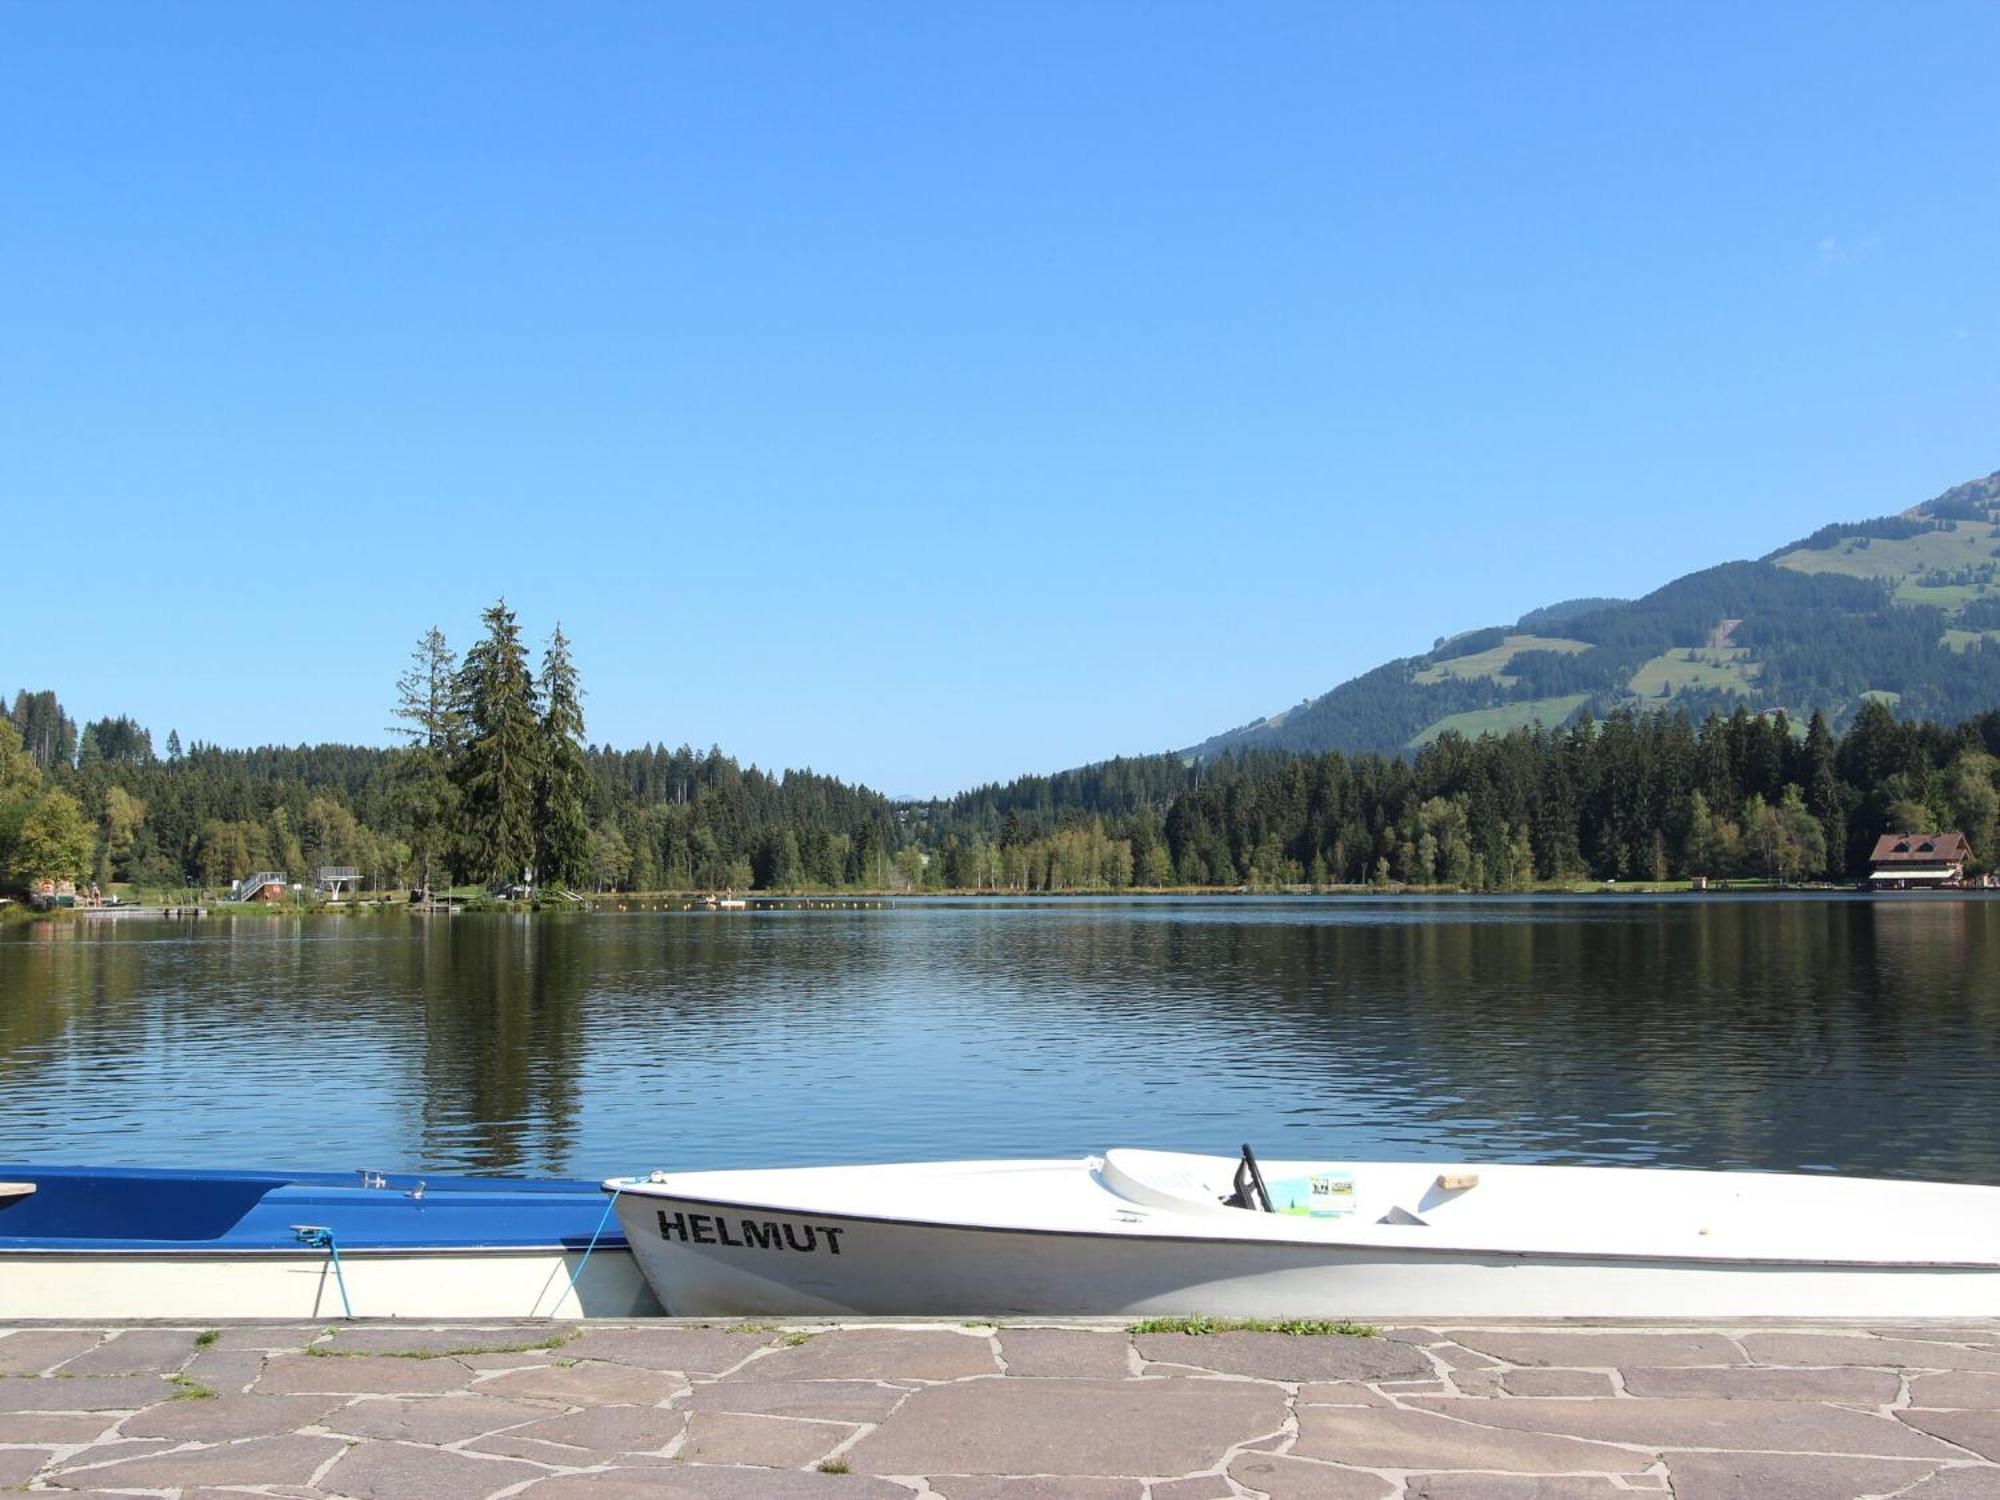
(1904, 609)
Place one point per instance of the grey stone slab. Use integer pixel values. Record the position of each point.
(693, 1482)
(361, 1375)
(29, 1351)
(268, 1338)
(1851, 1385)
(135, 1351)
(1857, 1349)
(1382, 1438)
(225, 1369)
(1956, 1388)
(401, 1471)
(984, 1487)
(1513, 1487)
(227, 1418)
(1198, 1487)
(1414, 1335)
(701, 1351)
(1075, 1353)
(59, 1428)
(83, 1393)
(112, 1450)
(1786, 1476)
(1458, 1357)
(1948, 1333)
(1298, 1479)
(1541, 1381)
(455, 1339)
(1957, 1484)
(928, 1354)
(515, 1359)
(19, 1465)
(1341, 1393)
(1481, 1382)
(1600, 1351)
(585, 1383)
(1976, 1430)
(619, 1429)
(1288, 1357)
(829, 1400)
(292, 1459)
(429, 1419)
(1694, 1422)
(1081, 1427)
(723, 1437)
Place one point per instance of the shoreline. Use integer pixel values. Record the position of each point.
(633, 902)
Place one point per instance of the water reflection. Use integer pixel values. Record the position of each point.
(1848, 1035)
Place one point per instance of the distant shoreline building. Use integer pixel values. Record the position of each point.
(1902, 861)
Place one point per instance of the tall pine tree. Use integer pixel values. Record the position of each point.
(427, 708)
(500, 761)
(562, 790)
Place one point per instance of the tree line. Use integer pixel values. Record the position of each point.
(493, 782)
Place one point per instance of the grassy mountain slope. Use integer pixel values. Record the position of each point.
(1905, 609)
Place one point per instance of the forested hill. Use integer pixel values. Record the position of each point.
(1903, 610)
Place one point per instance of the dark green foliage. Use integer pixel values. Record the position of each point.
(1471, 643)
(1979, 614)
(562, 784)
(47, 733)
(1550, 617)
(1887, 528)
(497, 767)
(120, 742)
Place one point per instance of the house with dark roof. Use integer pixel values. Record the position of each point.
(1903, 861)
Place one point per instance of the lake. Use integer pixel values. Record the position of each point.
(1843, 1034)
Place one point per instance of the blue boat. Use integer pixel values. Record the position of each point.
(134, 1242)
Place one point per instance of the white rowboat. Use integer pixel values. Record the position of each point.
(1163, 1233)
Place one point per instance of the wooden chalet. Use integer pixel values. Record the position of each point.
(1906, 861)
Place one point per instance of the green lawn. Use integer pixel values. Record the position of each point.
(1492, 662)
(1958, 640)
(1508, 716)
(1705, 668)
(1969, 546)
(1946, 596)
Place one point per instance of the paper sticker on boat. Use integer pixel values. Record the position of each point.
(1322, 1195)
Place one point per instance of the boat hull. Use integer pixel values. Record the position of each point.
(523, 1283)
(895, 1269)
(127, 1242)
(709, 1257)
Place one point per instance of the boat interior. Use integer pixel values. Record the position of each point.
(1750, 1214)
(131, 1208)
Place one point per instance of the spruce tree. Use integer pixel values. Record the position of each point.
(427, 706)
(562, 790)
(496, 769)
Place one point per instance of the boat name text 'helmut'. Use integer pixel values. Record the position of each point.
(758, 1234)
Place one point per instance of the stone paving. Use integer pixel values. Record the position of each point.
(1035, 1411)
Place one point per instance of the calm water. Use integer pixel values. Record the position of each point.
(1846, 1034)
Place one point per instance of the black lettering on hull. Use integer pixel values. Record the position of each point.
(758, 1234)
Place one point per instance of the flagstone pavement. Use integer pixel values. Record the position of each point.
(1034, 1411)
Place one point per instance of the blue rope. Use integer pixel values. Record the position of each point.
(320, 1238)
(591, 1249)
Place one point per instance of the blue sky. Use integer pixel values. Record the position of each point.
(929, 393)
